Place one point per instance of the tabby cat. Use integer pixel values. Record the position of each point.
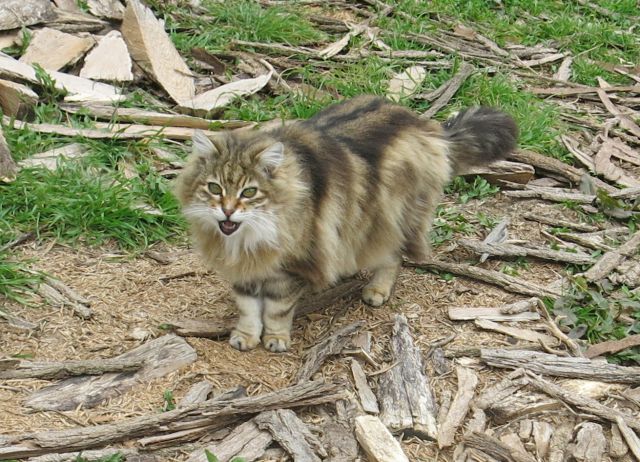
(297, 208)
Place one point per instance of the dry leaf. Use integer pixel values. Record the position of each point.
(406, 83)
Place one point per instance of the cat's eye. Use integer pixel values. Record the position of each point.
(214, 188)
(249, 192)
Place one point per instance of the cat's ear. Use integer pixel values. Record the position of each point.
(202, 146)
(271, 158)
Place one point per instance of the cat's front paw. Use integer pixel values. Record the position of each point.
(243, 342)
(374, 296)
(276, 343)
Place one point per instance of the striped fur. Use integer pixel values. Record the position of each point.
(354, 187)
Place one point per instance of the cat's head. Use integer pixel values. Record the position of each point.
(228, 188)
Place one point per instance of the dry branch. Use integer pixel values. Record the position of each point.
(509, 283)
(510, 250)
(558, 222)
(453, 86)
(196, 415)
(330, 346)
(626, 122)
(560, 366)
(406, 399)
(470, 313)
(63, 369)
(159, 356)
(612, 346)
(516, 332)
(467, 381)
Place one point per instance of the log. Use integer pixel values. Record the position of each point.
(246, 441)
(8, 167)
(54, 50)
(516, 332)
(560, 366)
(509, 283)
(160, 356)
(152, 49)
(16, 100)
(496, 448)
(610, 260)
(467, 381)
(378, 443)
(210, 412)
(330, 346)
(15, 14)
(582, 403)
(464, 313)
(62, 369)
(292, 434)
(109, 60)
(406, 399)
(590, 443)
(511, 250)
(367, 398)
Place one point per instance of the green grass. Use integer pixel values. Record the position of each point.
(15, 280)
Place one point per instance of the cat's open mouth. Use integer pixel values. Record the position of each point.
(228, 227)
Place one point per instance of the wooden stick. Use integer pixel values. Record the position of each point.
(192, 416)
(63, 369)
(559, 223)
(612, 346)
(509, 283)
(454, 85)
(510, 250)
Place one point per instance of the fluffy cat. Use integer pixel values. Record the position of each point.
(299, 207)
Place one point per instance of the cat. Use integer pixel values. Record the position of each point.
(354, 187)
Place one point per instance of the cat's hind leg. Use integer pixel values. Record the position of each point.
(379, 288)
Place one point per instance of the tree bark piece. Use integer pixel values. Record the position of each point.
(542, 432)
(467, 382)
(340, 442)
(603, 166)
(496, 448)
(629, 436)
(509, 283)
(516, 332)
(560, 366)
(109, 60)
(511, 250)
(590, 443)
(292, 434)
(559, 445)
(49, 159)
(367, 398)
(503, 170)
(152, 49)
(56, 293)
(559, 223)
(610, 260)
(110, 9)
(63, 369)
(246, 441)
(406, 399)
(587, 405)
(54, 50)
(617, 445)
(16, 100)
(330, 346)
(8, 167)
(208, 413)
(454, 85)
(612, 346)
(198, 393)
(21, 13)
(378, 443)
(513, 382)
(160, 356)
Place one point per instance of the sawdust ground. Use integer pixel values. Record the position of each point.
(128, 293)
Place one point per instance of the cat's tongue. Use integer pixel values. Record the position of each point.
(229, 227)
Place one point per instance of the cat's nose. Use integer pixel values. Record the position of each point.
(227, 212)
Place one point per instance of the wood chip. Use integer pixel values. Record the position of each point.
(50, 159)
(516, 332)
(16, 100)
(626, 121)
(501, 171)
(367, 398)
(590, 443)
(559, 447)
(629, 436)
(292, 434)
(246, 441)
(198, 393)
(8, 167)
(21, 13)
(617, 445)
(542, 432)
(564, 70)
(467, 381)
(406, 83)
(454, 85)
(110, 9)
(152, 49)
(160, 356)
(54, 50)
(406, 399)
(109, 60)
(377, 441)
(464, 313)
(603, 166)
(610, 260)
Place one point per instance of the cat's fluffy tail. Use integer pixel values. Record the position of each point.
(478, 136)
